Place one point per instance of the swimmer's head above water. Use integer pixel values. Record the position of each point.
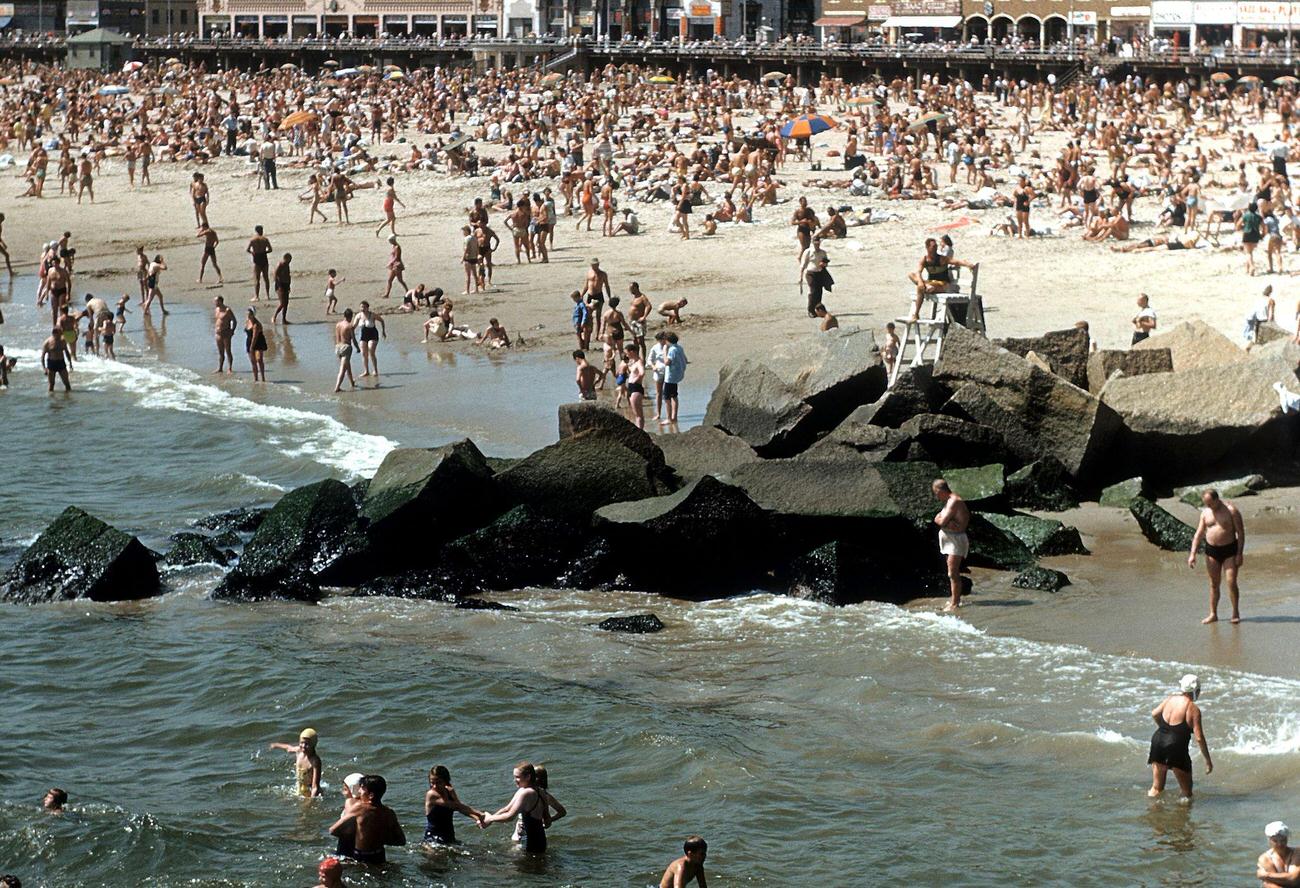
(1190, 685)
(308, 738)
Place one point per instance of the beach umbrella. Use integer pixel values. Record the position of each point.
(329, 63)
(394, 75)
(172, 61)
(366, 68)
(1249, 78)
(807, 125)
(297, 118)
(774, 76)
(863, 100)
(392, 67)
(932, 117)
(1286, 79)
(552, 78)
(347, 72)
(1220, 76)
(288, 66)
(662, 78)
(329, 82)
(456, 142)
(131, 67)
(113, 90)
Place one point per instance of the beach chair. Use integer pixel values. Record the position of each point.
(949, 307)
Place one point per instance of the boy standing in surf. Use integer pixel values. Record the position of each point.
(952, 519)
(689, 867)
(307, 764)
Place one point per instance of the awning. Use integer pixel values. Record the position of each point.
(922, 21)
(839, 21)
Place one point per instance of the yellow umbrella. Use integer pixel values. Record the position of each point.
(366, 68)
(662, 78)
(392, 67)
(394, 75)
(862, 100)
(173, 61)
(297, 118)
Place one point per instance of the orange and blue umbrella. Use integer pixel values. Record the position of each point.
(807, 125)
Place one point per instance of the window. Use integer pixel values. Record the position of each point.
(185, 16)
(155, 15)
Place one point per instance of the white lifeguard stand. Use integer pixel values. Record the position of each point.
(951, 306)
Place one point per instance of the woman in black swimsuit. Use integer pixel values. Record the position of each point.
(440, 803)
(1177, 720)
(529, 805)
(1023, 194)
(255, 345)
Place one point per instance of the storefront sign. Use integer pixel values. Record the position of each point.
(878, 12)
(83, 12)
(1215, 12)
(6, 14)
(1130, 12)
(1171, 12)
(1279, 14)
(1085, 19)
(925, 7)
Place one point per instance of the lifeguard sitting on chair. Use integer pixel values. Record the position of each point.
(934, 275)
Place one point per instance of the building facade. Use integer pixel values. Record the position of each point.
(1216, 23)
(360, 18)
(162, 17)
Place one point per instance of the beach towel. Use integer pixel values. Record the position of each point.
(959, 222)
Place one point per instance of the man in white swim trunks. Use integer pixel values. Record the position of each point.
(952, 520)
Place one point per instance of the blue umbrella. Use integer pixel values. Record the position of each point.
(807, 125)
(113, 90)
(347, 72)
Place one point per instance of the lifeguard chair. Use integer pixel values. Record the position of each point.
(950, 306)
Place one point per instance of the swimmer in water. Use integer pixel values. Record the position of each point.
(440, 802)
(689, 867)
(306, 764)
(330, 874)
(55, 800)
(351, 802)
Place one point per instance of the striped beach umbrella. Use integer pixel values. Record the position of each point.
(806, 125)
(1287, 80)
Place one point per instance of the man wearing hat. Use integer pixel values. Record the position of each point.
(1280, 864)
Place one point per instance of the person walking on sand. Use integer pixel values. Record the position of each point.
(1250, 223)
(345, 340)
(674, 372)
(689, 867)
(152, 280)
(259, 247)
(952, 520)
(199, 198)
(210, 241)
(1224, 535)
(469, 256)
(636, 385)
(395, 267)
(370, 325)
(390, 214)
(1177, 720)
(283, 284)
(1280, 864)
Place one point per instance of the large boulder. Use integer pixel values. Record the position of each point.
(1222, 418)
(420, 498)
(1043, 485)
(79, 556)
(1042, 536)
(599, 418)
(1128, 362)
(843, 571)
(1041, 579)
(1036, 413)
(993, 547)
(704, 450)
(311, 537)
(713, 526)
(1234, 488)
(832, 488)
(1065, 351)
(189, 549)
(242, 520)
(913, 393)
(949, 441)
(981, 486)
(576, 476)
(854, 439)
(637, 624)
(526, 546)
(1121, 493)
(780, 400)
(1160, 527)
(1194, 344)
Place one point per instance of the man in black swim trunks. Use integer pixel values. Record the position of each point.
(1224, 535)
(55, 357)
(259, 247)
(375, 823)
(283, 282)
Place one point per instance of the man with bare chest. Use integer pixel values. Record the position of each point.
(595, 292)
(1224, 535)
(223, 320)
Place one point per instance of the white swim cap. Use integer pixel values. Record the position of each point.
(1190, 684)
(352, 781)
(1277, 828)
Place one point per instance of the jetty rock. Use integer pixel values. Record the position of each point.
(1194, 344)
(779, 401)
(421, 498)
(1160, 527)
(704, 450)
(79, 556)
(1104, 364)
(843, 572)
(311, 537)
(600, 419)
(189, 549)
(1221, 418)
(1043, 485)
(1036, 413)
(526, 546)
(1064, 351)
(638, 624)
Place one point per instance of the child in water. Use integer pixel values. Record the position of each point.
(306, 764)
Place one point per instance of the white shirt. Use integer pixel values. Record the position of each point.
(268, 149)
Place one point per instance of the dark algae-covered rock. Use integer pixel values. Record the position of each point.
(578, 475)
(1042, 536)
(1043, 485)
(526, 546)
(195, 548)
(1121, 493)
(638, 624)
(244, 520)
(1160, 527)
(1042, 579)
(79, 556)
(842, 572)
(310, 538)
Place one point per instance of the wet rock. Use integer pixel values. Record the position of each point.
(1194, 344)
(1036, 413)
(1129, 362)
(227, 539)
(195, 548)
(79, 556)
(912, 394)
(238, 520)
(704, 450)
(359, 491)
(578, 475)
(981, 486)
(996, 548)
(524, 547)
(311, 537)
(430, 584)
(1160, 527)
(854, 439)
(482, 604)
(1215, 418)
(1121, 494)
(1041, 579)
(639, 624)
(595, 567)
(499, 464)
(713, 526)
(1043, 537)
(1231, 489)
(1064, 351)
(948, 441)
(835, 489)
(1043, 485)
(778, 402)
(843, 572)
(600, 419)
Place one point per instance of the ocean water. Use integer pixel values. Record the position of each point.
(869, 745)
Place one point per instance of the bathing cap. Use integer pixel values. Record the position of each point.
(1190, 684)
(353, 781)
(1277, 828)
(329, 865)
(308, 734)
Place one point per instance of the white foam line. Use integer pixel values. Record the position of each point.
(299, 433)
